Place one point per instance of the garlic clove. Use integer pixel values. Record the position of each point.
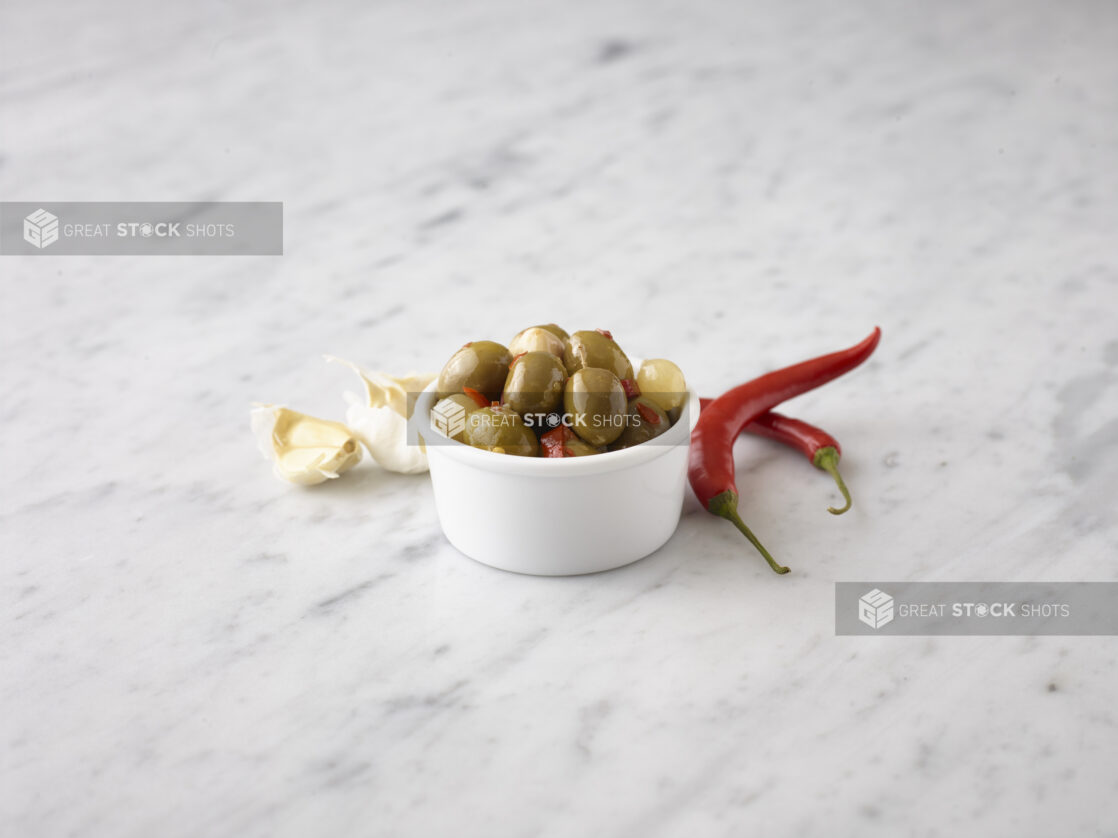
(385, 433)
(384, 390)
(303, 449)
(379, 419)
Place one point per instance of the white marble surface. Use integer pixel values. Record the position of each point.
(190, 648)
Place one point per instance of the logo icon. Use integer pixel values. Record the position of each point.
(449, 418)
(875, 609)
(40, 228)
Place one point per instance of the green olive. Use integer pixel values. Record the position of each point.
(593, 349)
(645, 420)
(446, 409)
(481, 365)
(594, 401)
(662, 381)
(535, 383)
(536, 339)
(500, 429)
(555, 330)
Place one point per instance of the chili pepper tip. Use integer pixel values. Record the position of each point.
(827, 459)
(725, 505)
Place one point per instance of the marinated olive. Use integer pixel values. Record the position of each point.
(645, 420)
(555, 330)
(662, 381)
(560, 395)
(443, 408)
(594, 401)
(481, 365)
(580, 448)
(500, 429)
(536, 339)
(594, 349)
(535, 383)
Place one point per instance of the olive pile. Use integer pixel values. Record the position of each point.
(552, 394)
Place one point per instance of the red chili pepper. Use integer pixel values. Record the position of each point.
(648, 414)
(512, 363)
(822, 449)
(711, 466)
(630, 387)
(479, 398)
(605, 333)
(554, 442)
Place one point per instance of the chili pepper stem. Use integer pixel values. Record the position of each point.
(725, 505)
(827, 458)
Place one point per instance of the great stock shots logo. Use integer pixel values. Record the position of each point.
(40, 228)
(875, 609)
(976, 608)
(448, 418)
(141, 228)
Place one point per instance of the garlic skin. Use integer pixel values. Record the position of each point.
(380, 418)
(304, 449)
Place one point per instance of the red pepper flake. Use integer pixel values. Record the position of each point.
(512, 363)
(553, 442)
(495, 404)
(630, 387)
(479, 398)
(467, 343)
(648, 414)
(605, 333)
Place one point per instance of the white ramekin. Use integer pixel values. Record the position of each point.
(559, 517)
